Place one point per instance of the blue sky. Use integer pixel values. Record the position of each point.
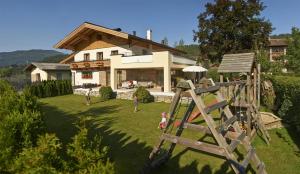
(39, 24)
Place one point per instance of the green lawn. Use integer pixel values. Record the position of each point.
(131, 137)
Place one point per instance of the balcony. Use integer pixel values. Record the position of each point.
(96, 64)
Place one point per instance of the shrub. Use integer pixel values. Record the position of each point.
(287, 90)
(44, 158)
(143, 95)
(213, 73)
(24, 148)
(106, 93)
(89, 155)
(20, 124)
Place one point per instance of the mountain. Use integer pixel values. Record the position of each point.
(26, 56)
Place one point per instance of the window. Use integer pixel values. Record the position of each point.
(87, 75)
(86, 57)
(99, 55)
(114, 52)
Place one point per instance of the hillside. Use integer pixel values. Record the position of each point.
(24, 56)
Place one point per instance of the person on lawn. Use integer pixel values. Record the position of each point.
(135, 102)
(88, 97)
(163, 123)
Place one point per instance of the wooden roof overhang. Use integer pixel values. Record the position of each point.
(84, 31)
(242, 63)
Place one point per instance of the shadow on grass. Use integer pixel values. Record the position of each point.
(127, 153)
(294, 135)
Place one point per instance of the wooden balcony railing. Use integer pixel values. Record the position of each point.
(90, 64)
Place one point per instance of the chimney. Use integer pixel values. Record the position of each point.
(149, 34)
(134, 33)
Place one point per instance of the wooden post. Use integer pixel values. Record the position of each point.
(255, 86)
(258, 86)
(221, 81)
(248, 104)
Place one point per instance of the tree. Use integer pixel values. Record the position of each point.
(165, 41)
(181, 42)
(230, 27)
(293, 51)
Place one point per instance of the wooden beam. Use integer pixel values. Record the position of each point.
(255, 86)
(204, 90)
(225, 125)
(233, 83)
(183, 85)
(199, 128)
(248, 158)
(198, 145)
(248, 99)
(258, 86)
(236, 142)
(213, 107)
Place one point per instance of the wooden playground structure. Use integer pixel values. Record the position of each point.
(231, 128)
(247, 100)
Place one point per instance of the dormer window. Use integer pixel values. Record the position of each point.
(114, 52)
(86, 57)
(99, 55)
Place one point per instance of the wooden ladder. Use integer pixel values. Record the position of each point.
(228, 135)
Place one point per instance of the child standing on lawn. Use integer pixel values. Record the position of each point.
(163, 123)
(87, 96)
(135, 102)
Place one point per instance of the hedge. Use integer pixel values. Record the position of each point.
(287, 101)
(51, 88)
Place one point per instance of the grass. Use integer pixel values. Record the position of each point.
(131, 137)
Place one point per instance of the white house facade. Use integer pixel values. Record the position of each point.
(109, 57)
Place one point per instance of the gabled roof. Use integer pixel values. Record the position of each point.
(47, 66)
(84, 29)
(242, 62)
(278, 42)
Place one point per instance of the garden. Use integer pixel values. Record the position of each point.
(131, 136)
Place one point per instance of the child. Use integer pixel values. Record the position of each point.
(135, 102)
(87, 96)
(163, 122)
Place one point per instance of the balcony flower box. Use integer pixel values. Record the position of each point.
(87, 65)
(87, 76)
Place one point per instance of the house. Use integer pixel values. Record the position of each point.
(111, 57)
(48, 71)
(277, 48)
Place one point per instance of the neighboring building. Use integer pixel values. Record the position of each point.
(277, 48)
(48, 71)
(110, 57)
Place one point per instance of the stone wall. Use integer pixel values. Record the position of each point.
(81, 91)
(128, 95)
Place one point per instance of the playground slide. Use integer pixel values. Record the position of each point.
(192, 117)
